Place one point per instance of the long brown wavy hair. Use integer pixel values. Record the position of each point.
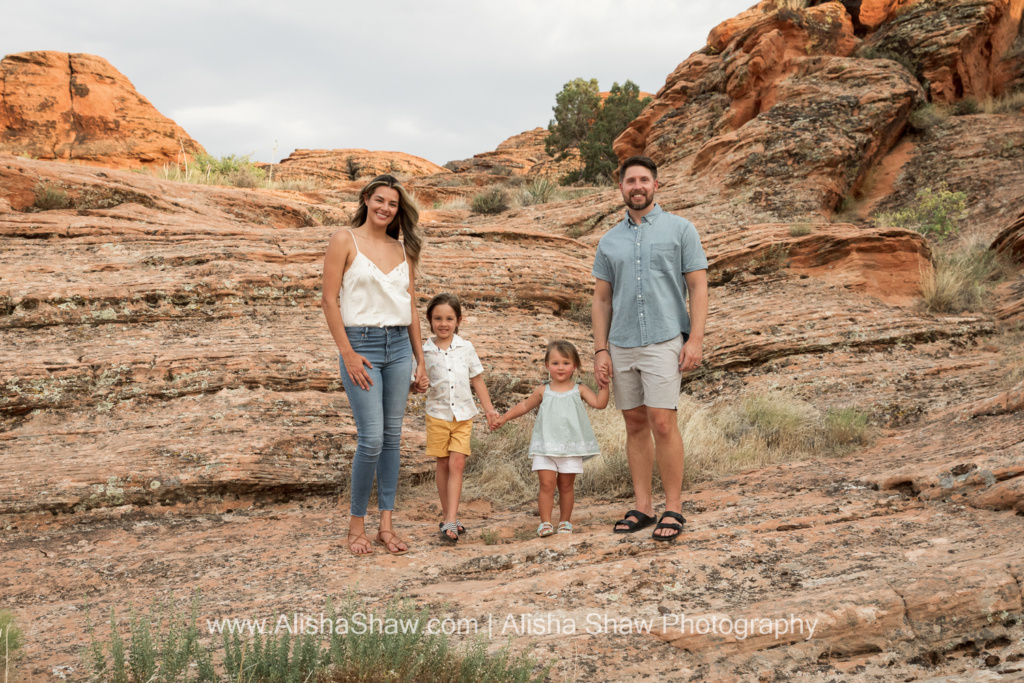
(405, 220)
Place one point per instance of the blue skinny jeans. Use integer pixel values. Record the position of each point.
(378, 411)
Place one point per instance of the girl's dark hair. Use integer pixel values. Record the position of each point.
(566, 349)
(446, 299)
(405, 219)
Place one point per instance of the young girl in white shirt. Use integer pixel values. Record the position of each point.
(453, 368)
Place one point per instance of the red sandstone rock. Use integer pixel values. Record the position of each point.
(338, 168)
(957, 46)
(521, 154)
(1011, 240)
(77, 107)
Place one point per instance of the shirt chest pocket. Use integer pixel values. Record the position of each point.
(665, 258)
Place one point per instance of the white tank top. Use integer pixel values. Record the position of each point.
(372, 298)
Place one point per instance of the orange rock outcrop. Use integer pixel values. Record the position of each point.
(77, 107)
(334, 167)
(521, 154)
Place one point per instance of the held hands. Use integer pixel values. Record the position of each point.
(494, 420)
(420, 382)
(603, 368)
(354, 366)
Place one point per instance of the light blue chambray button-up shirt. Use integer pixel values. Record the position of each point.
(645, 264)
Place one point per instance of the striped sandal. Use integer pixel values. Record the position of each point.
(450, 527)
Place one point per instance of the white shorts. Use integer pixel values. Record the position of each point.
(565, 465)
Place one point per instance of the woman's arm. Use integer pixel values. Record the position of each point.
(598, 400)
(480, 387)
(339, 251)
(420, 383)
(523, 407)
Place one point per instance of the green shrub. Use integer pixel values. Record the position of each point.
(49, 198)
(927, 115)
(799, 230)
(583, 122)
(490, 537)
(966, 107)
(11, 640)
(162, 651)
(935, 214)
(492, 200)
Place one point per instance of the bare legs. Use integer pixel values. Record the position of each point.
(653, 434)
(549, 480)
(449, 486)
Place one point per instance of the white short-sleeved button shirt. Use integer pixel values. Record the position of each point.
(450, 397)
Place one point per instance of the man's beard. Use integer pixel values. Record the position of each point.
(644, 198)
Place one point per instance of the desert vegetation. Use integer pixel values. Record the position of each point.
(935, 213)
(235, 170)
(584, 123)
(167, 645)
(720, 439)
(963, 275)
(11, 641)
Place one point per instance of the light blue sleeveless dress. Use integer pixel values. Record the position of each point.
(562, 428)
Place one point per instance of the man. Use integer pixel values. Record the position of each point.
(645, 339)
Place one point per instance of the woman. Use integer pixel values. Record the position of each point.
(376, 328)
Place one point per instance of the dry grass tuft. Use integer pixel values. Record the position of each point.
(499, 470)
(963, 275)
(720, 440)
(1008, 103)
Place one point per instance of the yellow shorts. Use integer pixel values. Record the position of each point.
(444, 437)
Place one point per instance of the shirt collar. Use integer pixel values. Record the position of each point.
(648, 218)
(457, 341)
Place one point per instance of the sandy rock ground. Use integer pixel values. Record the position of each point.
(172, 419)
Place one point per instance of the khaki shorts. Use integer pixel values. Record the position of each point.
(647, 375)
(444, 437)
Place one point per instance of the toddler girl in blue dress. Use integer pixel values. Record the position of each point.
(562, 435)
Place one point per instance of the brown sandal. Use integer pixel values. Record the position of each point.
(395, 540)
(369, 545)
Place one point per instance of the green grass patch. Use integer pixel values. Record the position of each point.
(11, 641)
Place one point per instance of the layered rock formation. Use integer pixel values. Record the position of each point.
(336, 167)
(521, 154)
(782, 93)
(170, 401)
(1011, 240)
(77, 107)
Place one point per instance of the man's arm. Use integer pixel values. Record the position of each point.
(693, 349)
(601, 321)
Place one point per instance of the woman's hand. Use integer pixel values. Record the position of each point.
(354, 366)
(421, 383)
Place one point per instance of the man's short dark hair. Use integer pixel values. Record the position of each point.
(639, 160)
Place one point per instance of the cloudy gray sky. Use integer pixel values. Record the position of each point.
(443, 79)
